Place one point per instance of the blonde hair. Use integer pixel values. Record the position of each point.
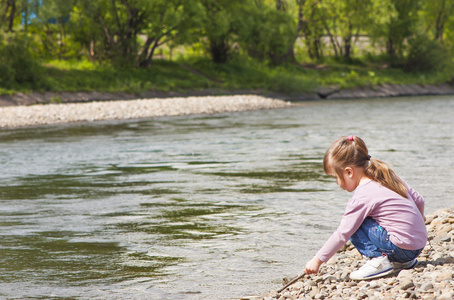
(352, 151)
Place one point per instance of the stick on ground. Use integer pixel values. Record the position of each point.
(291, 282)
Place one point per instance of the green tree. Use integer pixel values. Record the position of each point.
(170, 21)
(51, 26)
(401, 26)
(311, 23)
(437, 14)
(120, 22)
(86, 32)
(130, 31)
(11, 12)
(220, 26)
(8, 13)
(347, 19)
(266, 31)
(424, 54)
(18, 66)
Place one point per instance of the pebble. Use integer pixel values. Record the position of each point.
(405, 274)
(427, 286)
(44, 114)
(431, 279)
(406, 284)
(373, 284)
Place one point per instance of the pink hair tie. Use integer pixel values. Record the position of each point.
(350, 138)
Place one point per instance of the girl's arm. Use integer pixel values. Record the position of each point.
(419, 200)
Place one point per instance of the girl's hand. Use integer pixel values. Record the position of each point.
(312, 266)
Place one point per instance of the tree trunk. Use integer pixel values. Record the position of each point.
(151, 53)
(109, 37)
(143, 57)
(347, 47)
(290, 54)
(390, 50)
(317, 47)
(280, 5)
(92, 49)
(12, 5)
(440, 22)
(315, 38)
(348, 43)
(219, 51)
(332, 39)
(439, 26)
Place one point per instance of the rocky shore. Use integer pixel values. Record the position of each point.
(35, 115)
(431, 279)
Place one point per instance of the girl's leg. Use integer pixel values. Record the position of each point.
(368, 239)
(362, 241)
(372, 240)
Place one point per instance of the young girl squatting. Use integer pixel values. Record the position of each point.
(384, 219)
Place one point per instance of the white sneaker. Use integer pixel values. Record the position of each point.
(374, 268)
(406, 265)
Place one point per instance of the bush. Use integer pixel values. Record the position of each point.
(18, 67)
(424, 55)
(266, 33)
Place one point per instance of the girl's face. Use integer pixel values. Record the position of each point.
(348, 181)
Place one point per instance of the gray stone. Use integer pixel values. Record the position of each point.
(447, 296)
(406, 284)
(405, 274)
(315, 290)
(373, 284)
(310, 283)
(319, 296)
(426, 286)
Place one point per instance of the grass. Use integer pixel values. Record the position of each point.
(84, 76)
(241, 73)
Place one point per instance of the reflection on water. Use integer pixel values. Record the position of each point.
(196, 207)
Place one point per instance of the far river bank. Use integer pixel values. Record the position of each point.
(36, 109)
(384, 90)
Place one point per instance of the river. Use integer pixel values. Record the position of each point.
(197, 207)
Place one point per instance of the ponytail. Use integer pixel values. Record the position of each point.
(382, 173)
(352, 151)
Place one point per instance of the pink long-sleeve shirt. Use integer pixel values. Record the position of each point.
(402, 218)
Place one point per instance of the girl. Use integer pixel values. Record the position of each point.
(384, 219)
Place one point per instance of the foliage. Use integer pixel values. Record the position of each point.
(18, 66)
(240, 74)
(437, 15)
(52, 28)
(128, 32)
(220, 17)
(424, 55)
(265, 32)
(255, 44)
(344, 20)
(170, 22)
(401, 27)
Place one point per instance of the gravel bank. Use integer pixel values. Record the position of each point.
(21, 116)
(431, 279)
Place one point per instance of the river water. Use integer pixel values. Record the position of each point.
(197, 207)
